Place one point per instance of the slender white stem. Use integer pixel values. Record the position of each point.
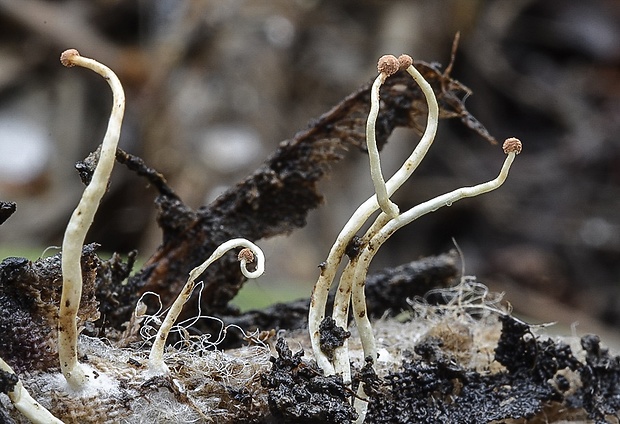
(414, 160)
(387, 206)
(340, 314)
(25, 403)
(255, 255)
(80, 222)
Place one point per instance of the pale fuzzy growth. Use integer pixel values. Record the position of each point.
(80, 222)
(200, 388)
(249, 254)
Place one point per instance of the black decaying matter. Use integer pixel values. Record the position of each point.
(300, 393)
(29, 298)
(432, 387)
(600, 379)
(332, 336)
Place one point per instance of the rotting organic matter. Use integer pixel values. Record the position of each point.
(539, 379)
(300, 393)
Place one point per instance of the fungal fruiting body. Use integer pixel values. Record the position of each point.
(250, 253)
(351, 285)
(80, 222)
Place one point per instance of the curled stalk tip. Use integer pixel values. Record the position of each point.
(512, 145)
(66, 58)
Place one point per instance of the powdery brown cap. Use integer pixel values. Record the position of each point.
(246, 254)
(512, 145)
(405, 61)
(388, 65)
(66, 58)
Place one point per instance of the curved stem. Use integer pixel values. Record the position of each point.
(387, 206)
(80, 222)
(255, 254)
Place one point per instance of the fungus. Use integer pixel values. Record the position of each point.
(362, 214)
(80, 222)
(250, 253)
(390, 219)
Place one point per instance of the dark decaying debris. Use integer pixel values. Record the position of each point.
(86, 167)
(600, 379)
(520, 352)
(300, 393)
(29, 297)
(431, 387)
(8, 380)
(332, 336)
(387, 293)
(276, 198)
(6, 210)
(110, 293)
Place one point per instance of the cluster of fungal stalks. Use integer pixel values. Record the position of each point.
(82, 379)
(350, 289)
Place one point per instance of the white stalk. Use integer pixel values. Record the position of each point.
(25, 403)
(387, 206)
(80, 222)
(250, 254)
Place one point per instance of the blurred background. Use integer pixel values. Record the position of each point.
(213, 86)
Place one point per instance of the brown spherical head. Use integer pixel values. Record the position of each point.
(246, 255)
(388, 65)
(66, 58)
(405, 61)
(512, 145)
